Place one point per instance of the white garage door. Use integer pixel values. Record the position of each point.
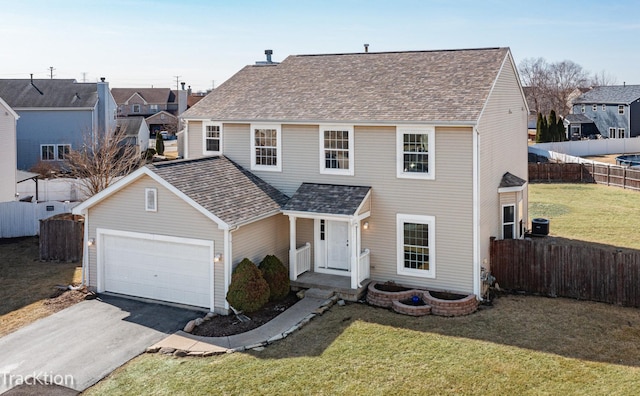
(157, 267)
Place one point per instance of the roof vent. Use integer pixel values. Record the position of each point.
(268, 53)
(366, 48)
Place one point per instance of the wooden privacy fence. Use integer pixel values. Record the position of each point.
(564, 269)
(61, 238)
(611, 175)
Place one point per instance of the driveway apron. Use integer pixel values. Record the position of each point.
(80, 345)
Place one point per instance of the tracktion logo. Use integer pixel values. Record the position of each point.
(37, 378)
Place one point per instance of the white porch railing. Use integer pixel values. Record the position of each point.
(303, 259)
(362, 272)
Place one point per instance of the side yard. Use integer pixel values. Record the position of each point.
(27, 284)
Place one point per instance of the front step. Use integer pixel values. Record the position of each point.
(319, 293)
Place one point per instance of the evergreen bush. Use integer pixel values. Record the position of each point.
(248, 290)
(277, 276)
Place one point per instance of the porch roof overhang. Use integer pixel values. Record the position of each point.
(511, 183)
(340, 202)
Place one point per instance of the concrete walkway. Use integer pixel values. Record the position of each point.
(185, 344)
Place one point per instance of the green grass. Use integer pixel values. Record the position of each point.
(522, 345)
(589, 212)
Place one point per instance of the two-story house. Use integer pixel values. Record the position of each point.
(160, 106)
(393, 166)
(56, 116)
(615, 111)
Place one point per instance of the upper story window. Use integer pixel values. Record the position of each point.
(135, 108)
(266, 147)
(594, 107)
(336, 149)
(415, 152)
(153, 108)
(212, 138)
(582, 109)
(151, 199)
(604, 107)
(416, 245)
(620, 109)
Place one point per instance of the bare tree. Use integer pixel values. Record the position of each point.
(101, 161)
(535, 77)
(602, 79)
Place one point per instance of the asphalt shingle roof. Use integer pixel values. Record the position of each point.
(327, 199)
(151, 95)
(222, 187)
(20, 93)
(130, 125)
(449, 85)
(511, 180)
(578, 119)
(614, 94)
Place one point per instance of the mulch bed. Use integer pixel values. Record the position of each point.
(226, 325)
(62, 299)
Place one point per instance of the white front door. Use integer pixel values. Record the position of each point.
(338, 245)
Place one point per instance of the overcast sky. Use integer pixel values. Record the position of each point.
(144, 43)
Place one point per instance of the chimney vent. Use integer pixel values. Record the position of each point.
(102, 79)
(182, 83)
(268, 53)
(366, 48)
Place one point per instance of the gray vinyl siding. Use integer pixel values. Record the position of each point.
(503, 148)
(448, 197)
(194, 139)
(256, 240)
(125, 211)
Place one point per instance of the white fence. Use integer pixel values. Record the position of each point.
(582, 148)
(62, 189)
(18, 219)
(303, 259)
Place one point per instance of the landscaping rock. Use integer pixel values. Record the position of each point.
(199, 321)
(300, 294)
(167, 350)
(341, 303)
(153, 349)
(188, 328)
(210, 316)
(180, 353)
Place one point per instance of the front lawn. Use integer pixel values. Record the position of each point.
(520, 346)
(589, 212)
(26, 282)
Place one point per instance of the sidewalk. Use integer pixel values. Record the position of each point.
(185, 344)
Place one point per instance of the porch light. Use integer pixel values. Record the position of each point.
(91, 242)
(365, 225)
(217, 258)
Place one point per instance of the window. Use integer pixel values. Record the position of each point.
(416, 245)
(54, 152)
(604, 107)
(153, 108)
(135, 108)
(594, 107)
(212, 138)
(582, 109)
(415, 152)
(63, 151)
(322, 230)
(621, 133)
(151, 199)
(612, 133)
(336, 149)
(620, 109)
(509, 222)
(266, 152)
(47, 152)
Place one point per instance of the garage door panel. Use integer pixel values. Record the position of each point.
(158, 269)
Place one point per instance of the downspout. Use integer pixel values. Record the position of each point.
(477, 285)
(228, 262)
(85, 250)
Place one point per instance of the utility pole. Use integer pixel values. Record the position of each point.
(177, 82)
(51, 69)
(84, 77)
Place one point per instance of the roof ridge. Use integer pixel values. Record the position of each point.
(403, 52)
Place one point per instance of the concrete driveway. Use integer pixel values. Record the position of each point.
(82, 344)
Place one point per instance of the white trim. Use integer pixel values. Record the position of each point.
(55, 108)
(53, 153)
(9, 109)
(153, 207)
(430, 221)
(101, 232)
(205, 124)
(477, 254)
(430, 131)
(310, 215)
(228, 262)
(125, 181)
(355, 123)
(185, 145)
(513, 223)
(512, 189)
(252, 143)
(335, 171)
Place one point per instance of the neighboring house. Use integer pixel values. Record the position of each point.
(136, 131)
(56, 116)
(615, 110)
(579, 126)
(8, 120)
(160, 106)
(400, 167)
